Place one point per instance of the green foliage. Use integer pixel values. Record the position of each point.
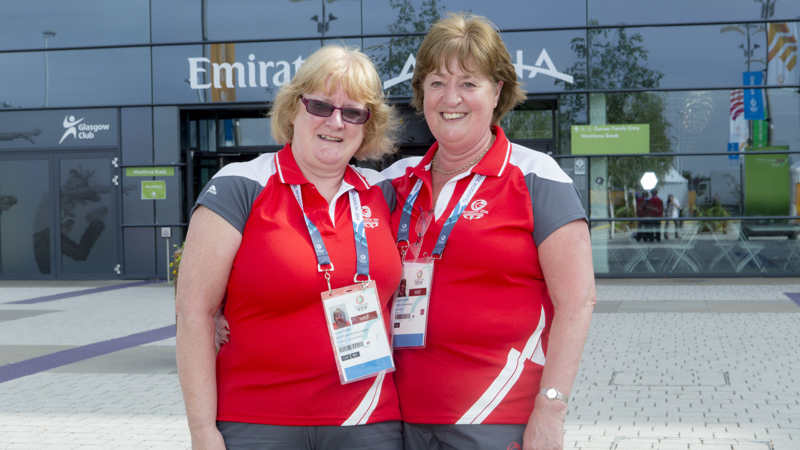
(528, 124)
(624, 211)
(175, 265)
(715, 210)
(391, 56)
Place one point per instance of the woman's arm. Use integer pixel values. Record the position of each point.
(211, 245)
(566, 260)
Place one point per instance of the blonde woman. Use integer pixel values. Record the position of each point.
(256, 236)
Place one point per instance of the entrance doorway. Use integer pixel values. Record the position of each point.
(212, 138)
(58, 216)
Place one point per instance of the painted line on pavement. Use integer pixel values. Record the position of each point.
(42, 363)
(50, 298)
(795, 296)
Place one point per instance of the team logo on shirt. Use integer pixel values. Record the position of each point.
(476, 210)
(369, 222)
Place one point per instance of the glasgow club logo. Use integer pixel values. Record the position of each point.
(79, 130)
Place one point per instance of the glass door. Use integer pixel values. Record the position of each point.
(26, 216)
(87, 211)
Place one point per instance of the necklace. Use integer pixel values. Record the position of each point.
(469, 164)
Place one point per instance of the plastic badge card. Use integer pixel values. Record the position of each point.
(358, 335)
(410, 319)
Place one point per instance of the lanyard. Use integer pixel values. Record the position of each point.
(362, 251)
(447, 228)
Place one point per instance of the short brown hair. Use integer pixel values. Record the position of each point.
(464, 36)
(324, 70)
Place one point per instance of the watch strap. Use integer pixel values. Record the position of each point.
(558, 396)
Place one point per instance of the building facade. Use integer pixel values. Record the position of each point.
(113, 115)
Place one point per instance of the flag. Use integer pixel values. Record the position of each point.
(224, 70)
(739, 132)
(754, 98)
(782, 64)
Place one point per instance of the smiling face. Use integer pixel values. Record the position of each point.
(325, 144)
(459, 106)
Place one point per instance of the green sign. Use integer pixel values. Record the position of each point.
(149, 171)
(760, 133)
(154, 190)
(766, 183)
(610, 139)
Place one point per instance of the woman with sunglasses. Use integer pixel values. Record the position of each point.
(288, 239)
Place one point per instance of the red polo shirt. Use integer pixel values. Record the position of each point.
(490, 311)
(279, 366)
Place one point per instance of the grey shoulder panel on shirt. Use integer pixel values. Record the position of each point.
(233, 190)
(375, 178)
(554, 197)
(554, 204)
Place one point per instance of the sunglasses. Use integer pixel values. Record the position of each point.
(324, 109)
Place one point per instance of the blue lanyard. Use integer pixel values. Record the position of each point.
(447, 228)
(362, 250)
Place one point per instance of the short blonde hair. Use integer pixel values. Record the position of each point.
(468, 37)
(325, 70)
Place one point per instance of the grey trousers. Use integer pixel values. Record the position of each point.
(381, 435)
(462, 437)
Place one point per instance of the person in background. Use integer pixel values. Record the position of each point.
(673, 211)
(255, 237)
(655, 208)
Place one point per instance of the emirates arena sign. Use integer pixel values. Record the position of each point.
(219, 73)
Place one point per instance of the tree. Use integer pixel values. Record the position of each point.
(391, 57)
(528, 124)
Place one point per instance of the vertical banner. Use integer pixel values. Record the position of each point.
(223, 89)
(767, 183)
(760, 133)
(782, 54)
(737, 139)
(753, 98)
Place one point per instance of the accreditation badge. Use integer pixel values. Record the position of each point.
(410, 315)
(358, 335)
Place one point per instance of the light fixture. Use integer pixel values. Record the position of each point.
(649, 180)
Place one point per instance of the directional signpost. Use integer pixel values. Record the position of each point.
(154, 190)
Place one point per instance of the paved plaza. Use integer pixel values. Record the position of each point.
(690, 364)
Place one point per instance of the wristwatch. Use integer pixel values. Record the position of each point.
(552, 394)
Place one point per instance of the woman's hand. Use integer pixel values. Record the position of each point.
(222, 333)
(545, 429)
(208, 438)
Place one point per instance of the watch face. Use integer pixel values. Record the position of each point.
(551, 393)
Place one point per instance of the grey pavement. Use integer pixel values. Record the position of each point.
(690, 364)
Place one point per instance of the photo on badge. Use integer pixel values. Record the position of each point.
(402, 291)
(339, 316)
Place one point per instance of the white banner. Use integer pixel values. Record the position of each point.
(782, 67)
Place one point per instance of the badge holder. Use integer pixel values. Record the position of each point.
(357, 332)
(411, 303)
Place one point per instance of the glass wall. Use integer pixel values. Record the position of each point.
(662, 90)
(74, 78)
(39, 24)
